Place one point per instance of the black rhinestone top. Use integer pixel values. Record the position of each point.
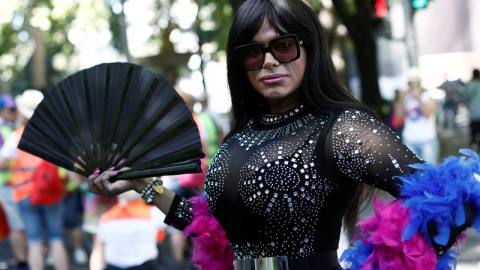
(282, 185)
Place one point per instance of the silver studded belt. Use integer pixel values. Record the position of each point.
(320, 261)
(269, 263)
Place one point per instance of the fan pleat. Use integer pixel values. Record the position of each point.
(116, 107)
(128, 129)
(160, 140)
(58, 140)
(73, 102)
(115, 115)
(143, 131)
(181, 168)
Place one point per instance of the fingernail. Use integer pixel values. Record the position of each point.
(96, 171)
(111, 169)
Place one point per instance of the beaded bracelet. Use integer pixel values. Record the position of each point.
(154, 187)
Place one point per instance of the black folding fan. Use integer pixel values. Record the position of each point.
(115, 115)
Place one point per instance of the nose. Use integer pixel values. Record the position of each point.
(270, 61)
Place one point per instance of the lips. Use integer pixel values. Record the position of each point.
(273, 79)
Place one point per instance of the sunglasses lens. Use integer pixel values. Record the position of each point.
(284, 49)
(252, 56)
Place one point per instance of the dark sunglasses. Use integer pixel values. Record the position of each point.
(285, 49)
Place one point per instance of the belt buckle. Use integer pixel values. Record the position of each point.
(268, 263)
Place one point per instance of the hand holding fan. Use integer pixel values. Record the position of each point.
(115, 115)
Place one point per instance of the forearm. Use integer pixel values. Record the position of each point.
(97, 261)
(427, 108)
(163, 201)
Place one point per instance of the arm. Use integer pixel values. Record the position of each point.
(399, 105)
(428, 108)
(5, 163)
(434, 205)
(101, 184)
(8, 152)
(363, 149)
(177, 209)
(97, 258)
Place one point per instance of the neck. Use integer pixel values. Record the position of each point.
(284, 105)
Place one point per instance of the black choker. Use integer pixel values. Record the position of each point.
(277, 118)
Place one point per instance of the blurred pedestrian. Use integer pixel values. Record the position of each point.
(17, 237)
(471, 94)
(8, 111)
(73, 216)
(420, 130)
(396, 116)
(127, 235)
(37, 218)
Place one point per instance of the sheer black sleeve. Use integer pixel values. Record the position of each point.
(180, 214)
(364, 149)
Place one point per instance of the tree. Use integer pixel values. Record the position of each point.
(38, 39)
(357, 19)
(42, 39)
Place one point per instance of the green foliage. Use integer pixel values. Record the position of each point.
(219, 15)
(351, 6)
(57, 18)
(9, 38)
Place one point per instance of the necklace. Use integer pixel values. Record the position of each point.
(277, 118)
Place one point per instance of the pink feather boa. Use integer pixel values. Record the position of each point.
(212, 250)
(382, 233)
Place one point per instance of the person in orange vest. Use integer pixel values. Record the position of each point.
(23, 168)
(127, 235)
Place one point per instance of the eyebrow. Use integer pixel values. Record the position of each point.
(268, 42)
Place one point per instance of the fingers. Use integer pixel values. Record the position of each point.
(99, 183)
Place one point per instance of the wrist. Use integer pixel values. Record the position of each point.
(141, 184)
(154, 187)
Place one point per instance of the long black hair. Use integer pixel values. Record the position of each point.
(320, 85)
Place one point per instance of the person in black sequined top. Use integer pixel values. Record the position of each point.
(302, 150)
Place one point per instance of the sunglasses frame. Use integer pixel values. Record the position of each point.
(298, 43)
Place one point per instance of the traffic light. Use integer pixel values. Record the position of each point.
(419, 4)
(378, 12)
(381, 8)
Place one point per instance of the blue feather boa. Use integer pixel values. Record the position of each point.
(436, 195)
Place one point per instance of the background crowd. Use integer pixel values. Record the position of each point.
(87, 230)
(80, 228)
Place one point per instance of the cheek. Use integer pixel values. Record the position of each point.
(299, 72)
(301, 65)
(251, 77)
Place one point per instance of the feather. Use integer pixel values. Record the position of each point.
(212, 250)
(437, 195)
(397, 235)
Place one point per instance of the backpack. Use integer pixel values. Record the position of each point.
(48, 187)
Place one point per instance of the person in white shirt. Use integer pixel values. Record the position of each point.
(127, 235)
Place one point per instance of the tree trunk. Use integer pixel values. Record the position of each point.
(39, 67)
(361, 32)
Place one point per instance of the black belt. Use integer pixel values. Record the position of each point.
(320, 261)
